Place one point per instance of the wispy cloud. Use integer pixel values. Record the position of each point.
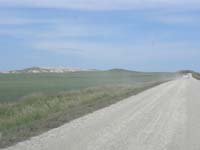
(129, 38)
(163, 50)
(37, 28)
(174, 18)
(7, 20)
(101, 5)
(90, 50)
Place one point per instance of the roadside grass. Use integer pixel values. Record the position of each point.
(196, 75)
(38, 112)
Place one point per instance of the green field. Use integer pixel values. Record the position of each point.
(31, 104)
(15, 86)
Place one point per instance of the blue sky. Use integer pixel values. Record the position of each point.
(151, 35)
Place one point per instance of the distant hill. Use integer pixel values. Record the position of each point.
(48, 70)
(122, 70)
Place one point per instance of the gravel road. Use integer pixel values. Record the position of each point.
(166, 117)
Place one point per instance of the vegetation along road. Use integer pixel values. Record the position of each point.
(165, 117)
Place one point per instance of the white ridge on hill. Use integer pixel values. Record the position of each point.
(48, 70)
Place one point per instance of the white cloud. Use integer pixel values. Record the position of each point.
(89, 48)
(174, 18)
(93, 50)
(63, 30)
(7, 20)
(53, 28)
(102, 4)
(143, 51)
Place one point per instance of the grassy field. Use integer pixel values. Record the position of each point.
(14, 86)
(34, 103)
(196, 75)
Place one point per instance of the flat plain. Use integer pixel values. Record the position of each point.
(31, 104)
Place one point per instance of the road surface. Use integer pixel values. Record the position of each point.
(166, 117)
